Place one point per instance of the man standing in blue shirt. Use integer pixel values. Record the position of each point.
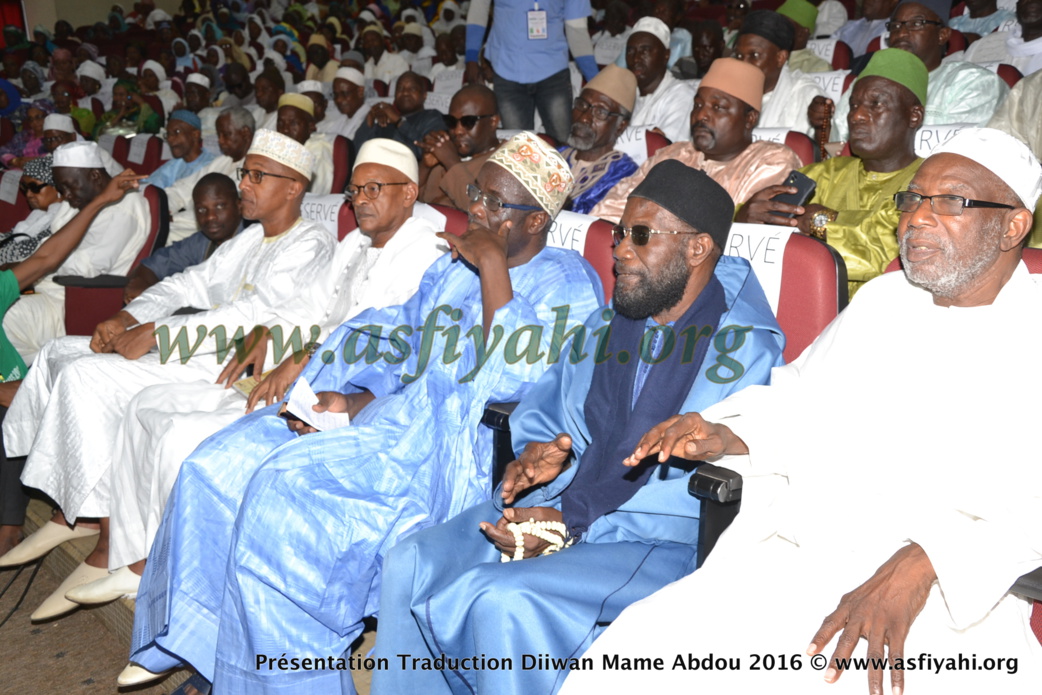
(528, 48)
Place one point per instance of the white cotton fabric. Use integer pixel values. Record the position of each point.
(668, 108)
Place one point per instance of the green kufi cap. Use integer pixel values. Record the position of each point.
(801, 12)
(899, 66)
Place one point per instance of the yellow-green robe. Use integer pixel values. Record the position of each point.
(865, 231)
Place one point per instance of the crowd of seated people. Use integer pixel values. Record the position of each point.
(280, 435)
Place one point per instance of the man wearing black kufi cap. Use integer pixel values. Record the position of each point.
(765, 40)
(615, 528)
(958, 91)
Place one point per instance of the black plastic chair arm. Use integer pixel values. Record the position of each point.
(497, 418)
(96, 282)
(720, 490)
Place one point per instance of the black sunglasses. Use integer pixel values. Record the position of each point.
(468, 122)
(640, 234)
(25, 187)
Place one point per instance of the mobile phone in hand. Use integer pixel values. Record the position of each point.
(804, 186)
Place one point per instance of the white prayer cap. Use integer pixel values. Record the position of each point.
(154, 67)
(89, 68)
(654, 26)
(351, 75)
(59, 121)
(367, 16)
(309, 86)
(81, 154)
(299, 101)
(1003, 155)
(199, 79)
(390, 153)
(284, 150)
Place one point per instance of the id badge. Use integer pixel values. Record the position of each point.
(537, 24)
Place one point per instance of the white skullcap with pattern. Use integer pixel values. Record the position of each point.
(284, 150)
(540, 168)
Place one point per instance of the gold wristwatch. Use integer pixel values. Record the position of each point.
(819, 223)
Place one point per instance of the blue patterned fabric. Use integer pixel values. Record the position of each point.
(446, 591)
(273, 543)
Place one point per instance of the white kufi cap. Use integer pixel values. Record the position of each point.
(1003, 155)
(81, 154)
(199, 79)
(389, 153)
(284, 150)
(351, 75)
(654, 26)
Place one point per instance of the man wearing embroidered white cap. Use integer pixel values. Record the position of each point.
(412, 455)
(663, 101)
(380, 265)
(349, 97)
(296, 119)
(891, 480)
(110, 246)
(69, 427)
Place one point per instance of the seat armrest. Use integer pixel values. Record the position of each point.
(98, 281)
(1029, 586)
(720, 491)
(497, 416)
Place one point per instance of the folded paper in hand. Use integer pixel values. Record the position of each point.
(302, 397)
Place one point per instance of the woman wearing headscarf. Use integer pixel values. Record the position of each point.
(215, 56)
(117, 24)
(28, 144)
(44, 37)
(448, 17)
(196, 41)
(154, 87)
(66, 94)
(259, 37)
(33, 78)
(183, 58)
(84, 52)
(232, 53)
(130, 113)
(37, 185)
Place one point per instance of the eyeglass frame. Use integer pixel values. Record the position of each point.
(350, 197)
(619, 234)
(966, 203)
(917, 24)
(243, 173)
(592, 110)
(459, 121)
(475, 194)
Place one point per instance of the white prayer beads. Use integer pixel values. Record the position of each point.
(553, 532)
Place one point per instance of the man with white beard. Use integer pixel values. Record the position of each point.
(600, 114)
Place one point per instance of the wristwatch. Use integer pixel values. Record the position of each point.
(819, 223)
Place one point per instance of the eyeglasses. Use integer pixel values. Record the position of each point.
(599, 112)
(50, 139)
(468, 122)
(492, 203)
(372, 189)
(912, 24)
(952, 205)
(25, 187)
(640, 234)
(257, 176)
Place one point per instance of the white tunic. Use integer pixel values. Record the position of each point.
(165, 423)
(1007, 47)
(390, 66)
(67, 420)
(785, 106)
(668, 108)
(113, 241)
(321, 145)
(872, 439)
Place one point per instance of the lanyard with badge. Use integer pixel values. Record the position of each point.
(537, 23)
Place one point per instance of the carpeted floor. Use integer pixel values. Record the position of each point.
(74, 655)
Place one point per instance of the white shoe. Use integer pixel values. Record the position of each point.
(118, 584)
(137, 675)
(56, 604)
(42, 541)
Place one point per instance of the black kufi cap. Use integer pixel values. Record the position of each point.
(770, 25)
(690, 195)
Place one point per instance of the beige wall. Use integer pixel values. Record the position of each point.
(79, 12)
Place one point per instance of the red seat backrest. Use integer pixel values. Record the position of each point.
(802, 145)
(120, 148)
(13, 213)
(655, 142)
(598, 251)
(841, 56)
(343, 161)
(346, 222)
(6, 131)
(455, 220)
(874, 44)
(813, 291)
(1009, 73)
